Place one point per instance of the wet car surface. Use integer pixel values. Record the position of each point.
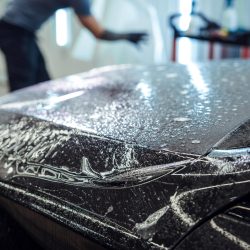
(134, 157)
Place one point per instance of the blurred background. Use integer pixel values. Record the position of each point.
(69, 49)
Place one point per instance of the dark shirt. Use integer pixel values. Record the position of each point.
(31, 14)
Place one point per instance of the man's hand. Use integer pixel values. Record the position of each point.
(100, 33)
(136, 38)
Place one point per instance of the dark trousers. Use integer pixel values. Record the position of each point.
(25, 63)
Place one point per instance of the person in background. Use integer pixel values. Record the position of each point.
(18, 27)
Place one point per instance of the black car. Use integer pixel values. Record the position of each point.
(131, 157)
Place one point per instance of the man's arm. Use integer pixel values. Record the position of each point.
(100, 33)
(92, 25)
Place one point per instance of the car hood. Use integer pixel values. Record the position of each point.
(183, 108)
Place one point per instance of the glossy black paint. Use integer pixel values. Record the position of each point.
(229, 228)
(131, 157)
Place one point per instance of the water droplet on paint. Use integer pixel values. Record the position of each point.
(196, 141)
(182, 119)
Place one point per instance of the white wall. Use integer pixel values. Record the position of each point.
(129, 15)
(59, 59)
(2, 64)
(121, 15)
